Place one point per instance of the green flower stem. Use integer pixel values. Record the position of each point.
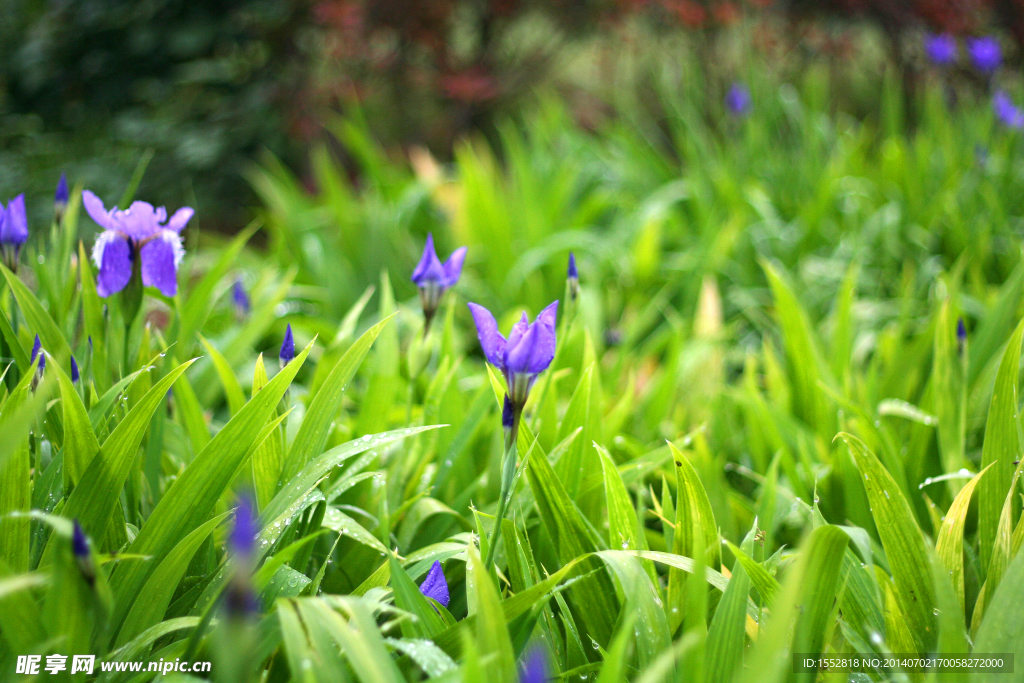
(508, 472)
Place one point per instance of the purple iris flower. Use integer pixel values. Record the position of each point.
(240, 298)
(80, 549)
(74, 370)
(737, 99)
(1006, 111)
(435, 586)
(434, 278)
(535, 669)
(941, 49)
(985, 53)
(287, 347)
(526, 353)
(13, 231)
(139, 231)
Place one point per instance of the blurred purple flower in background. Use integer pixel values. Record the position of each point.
(13, 231)
(287, 352)
(1006, 111)
(526, 353)
(737, 99)
(239, 598)
(240, 298)
(573, 277)
(435, 585)
(434, 278)
(140, 231)
(60, 198)
(80, 549)
(535, 668)
(941, 49)
(985, 53)
(37, 347)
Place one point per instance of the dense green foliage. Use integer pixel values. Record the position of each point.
(760, 435)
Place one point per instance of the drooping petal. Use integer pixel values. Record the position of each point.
(435, 586)
(180, 218)
(453, 267)
(535, 351)
(492, 341)
(15, 225)
(429, 267)
(94, 206)
(140, 221)
(112, 256)
(160, 258)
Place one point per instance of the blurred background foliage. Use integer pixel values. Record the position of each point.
(89, 87)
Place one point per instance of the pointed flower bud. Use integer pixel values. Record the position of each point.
(74, 370)
(37, 347)
(60, 198)
(239, 599)
(13, 231)
(507, 414)
(573, 277)
(142, 232)
(80, 549)
(737, 99)
(526, 353)
(435, 585)
(961, 336)
(434, 278)
(287, 347)
(240, 298)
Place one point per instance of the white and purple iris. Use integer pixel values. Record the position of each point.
(139, 231)
(434, 278)
(526, 353)
(13, 231)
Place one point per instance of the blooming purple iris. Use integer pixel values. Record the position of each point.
(985, 53)
(1006, 111)
(526, 353)
(139, 231)
(13, 231)
(941, 49)
(737, 99)
(535, 669)
(287, 352)
(240, 298)
(435, 586)
(434, 278)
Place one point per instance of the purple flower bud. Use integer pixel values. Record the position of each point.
(941, 49)
(74, 370)
(1006, 111)
(13, 231)
(507, 414)
(573, 277)
(240, 298)
(138, 231)
(287, 347)
(985, 53)
(79, 543)
(737, 99)
(60, 197)
(435, 278)
(535, 668)
(36, 349)
(961, 336)
(242, 540)
(435, 586)
(526, 353)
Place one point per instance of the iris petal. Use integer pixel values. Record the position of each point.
(160, 258)
(140, 221)
(429, 267)
(536, 349)
(435, 586)
(112, 257)
(180, 218)
(453, 267)
(94, 206)
(491, 340)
